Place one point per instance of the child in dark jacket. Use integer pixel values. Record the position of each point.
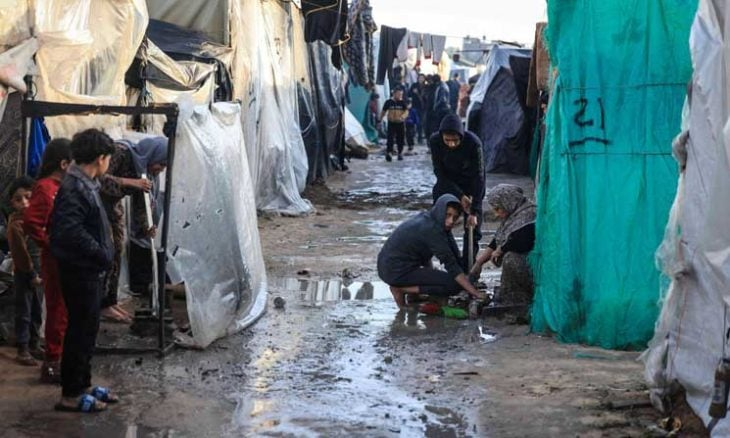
(81, 242)
(28, 297)
(36, 224)
(412, 123)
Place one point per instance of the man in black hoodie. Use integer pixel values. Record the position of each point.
(81, 241)
(459, 167)
(404, 263)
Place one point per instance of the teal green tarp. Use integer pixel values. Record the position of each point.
(607, 177)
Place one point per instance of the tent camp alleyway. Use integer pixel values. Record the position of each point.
(340, 360)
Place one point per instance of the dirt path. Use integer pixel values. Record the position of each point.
(341, 360)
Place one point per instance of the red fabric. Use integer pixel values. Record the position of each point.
(36, 221)
(38, 214)
(56, 315)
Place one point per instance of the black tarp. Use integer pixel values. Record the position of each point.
(326, 153)
(10, 133)
(502, 121)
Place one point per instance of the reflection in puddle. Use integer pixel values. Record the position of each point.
(332, 290)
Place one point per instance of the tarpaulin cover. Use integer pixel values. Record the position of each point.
(354, 132)
(223, 271)
(498, 115)
(264, 81)
(15, 63)
(211, 17)
(607, 178)
(689, 341)
(183, 44)
(16, 20)
(86, 48)
(330, 101)
(37, 141)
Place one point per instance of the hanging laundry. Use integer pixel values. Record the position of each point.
(439, 44)
(359, 48)
(402, 53)
(325, 20)
(414, 40)
(427, 46)
(390, 40)
(37, 141)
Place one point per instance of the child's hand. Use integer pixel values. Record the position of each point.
(151, 232)
(143, 184)
(36, 281)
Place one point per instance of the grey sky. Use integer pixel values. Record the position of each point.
(509, 20)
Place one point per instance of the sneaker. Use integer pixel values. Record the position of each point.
(400, 157)
(388, 158)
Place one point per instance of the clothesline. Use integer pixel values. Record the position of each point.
(437, 34)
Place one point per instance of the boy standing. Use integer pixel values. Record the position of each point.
(28, 298)
(412, 123)
(397, 111)
(81, 241)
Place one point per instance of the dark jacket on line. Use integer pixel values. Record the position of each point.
(414, 243)
(459, 171)
(80, 232)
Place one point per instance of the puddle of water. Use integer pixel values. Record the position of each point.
(331, 290)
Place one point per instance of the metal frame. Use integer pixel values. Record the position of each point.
(35, 108)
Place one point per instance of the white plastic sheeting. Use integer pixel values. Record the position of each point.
(354, 132)
(695, 254)
(265, 82)
(15, 22)
(223, 270)
(498, 57)
(86, 48)
(15, 63)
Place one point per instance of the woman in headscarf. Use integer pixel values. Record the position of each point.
(132, 170)
(514, 239)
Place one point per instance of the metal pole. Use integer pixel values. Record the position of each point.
(470, 257)
(162, 263)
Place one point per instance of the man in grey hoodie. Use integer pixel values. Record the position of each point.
(404, 262)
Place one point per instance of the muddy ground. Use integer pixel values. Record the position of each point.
(341, 360)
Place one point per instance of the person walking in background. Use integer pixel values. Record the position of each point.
(81, 241)
(417, 94)
(396, 110)
(412, 123)
(27, 283)
(439, 106)
(370, 118)
(36, 224)
(454, 88)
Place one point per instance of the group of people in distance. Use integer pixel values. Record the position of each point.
(66, 234)
(405, 261)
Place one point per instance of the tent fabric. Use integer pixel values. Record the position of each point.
(86, 48)
(16, 20)
(689, 340)
(224, 273)
(183, 44)
(330, 97)
(498, 116)
(354, 132)
(606, 173)
(210, 17)
(15, 63)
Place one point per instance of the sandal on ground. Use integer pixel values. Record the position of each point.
(86, 404)
(103, 394)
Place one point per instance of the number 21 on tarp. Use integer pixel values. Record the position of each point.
(590, 117)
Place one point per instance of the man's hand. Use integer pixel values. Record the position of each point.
(466, 203)
(151, 232)
(143, 184)
(476, 270)
(472, 221)
(497, 256)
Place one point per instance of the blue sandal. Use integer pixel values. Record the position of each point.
(104, 394)
(87, 404)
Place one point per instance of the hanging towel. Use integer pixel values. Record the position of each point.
(37, 142)
(439, 44)
(390, 40)
(427, 46)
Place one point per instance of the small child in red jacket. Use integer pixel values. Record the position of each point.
(28, 297)
(56, 159)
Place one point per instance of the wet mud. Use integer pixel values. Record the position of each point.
(339, 359)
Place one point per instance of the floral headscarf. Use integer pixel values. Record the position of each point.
(521, 212)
